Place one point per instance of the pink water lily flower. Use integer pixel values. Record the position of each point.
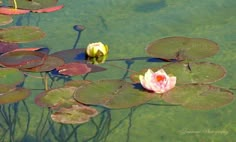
(158, 82)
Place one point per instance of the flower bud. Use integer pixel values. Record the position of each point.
(97, 49)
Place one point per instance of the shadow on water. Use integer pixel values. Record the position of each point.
(150, 6)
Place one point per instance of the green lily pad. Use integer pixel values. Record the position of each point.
(22, 59)
(76, 83)
(192, 72)
(199, 97)
(5, 19)
(11, 76)
(77, 114)
(112, 94)
(33, 4)
(56, 97)
(49, 64)
(199, 72)
(182, 48)
(21, 34)
(9, 94)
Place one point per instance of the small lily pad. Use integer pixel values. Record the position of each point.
(9, 94)
(73, 69)
(77, 114)
(182, 48)
(48, 9)
(5, 19)
(22, 59)
(12, 11)
(21, 34)
(56, 97)
(6, 47)
(199, 97)
(112, 94)
(11, 76)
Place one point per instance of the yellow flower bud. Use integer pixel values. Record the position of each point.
(97, 60)
(97, 49)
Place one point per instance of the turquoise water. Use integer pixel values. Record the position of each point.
(127, 27)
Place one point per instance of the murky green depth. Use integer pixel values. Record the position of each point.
(127, 26)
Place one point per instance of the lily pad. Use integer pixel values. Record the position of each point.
(33, 4)
(182, 48)
(49, 9)
(5, 19)
(11, 76)
(8, 94)
(195, 72)
(21, 34)
(6, 47)
(49, 64)
(22, 59)
(12, 11)
(112, 94)
(56, 97)
(199, 97)
(77, 114)
(77, 83)
(73, 69)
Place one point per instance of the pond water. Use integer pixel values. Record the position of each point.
(127, 27)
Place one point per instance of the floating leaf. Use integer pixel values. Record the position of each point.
(76, 83)
(77, 114)
(56, 97)
(5, 19)
(33, 4)
(112, 94)
(21, 34)
(199, 97)
(199, 72)
(6, 47)
(12, 11)
(73, 69)
(49, 64)
(192, 72)
(22, 59)
(8, 94)
(11, 76)
(49, 9)
(182, 48)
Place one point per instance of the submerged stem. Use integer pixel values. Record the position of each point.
(15, 4)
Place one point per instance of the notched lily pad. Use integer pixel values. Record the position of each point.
(56, 97)
(21, 34)
(112, 94)
(195, 72)
(10, 94)
(22, 59)
(11, 76)
(199, 97)
(182, 48)
(77, 114)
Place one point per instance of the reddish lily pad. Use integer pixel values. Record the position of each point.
(199, 97)
(49, 64)
(21, 34)
(11, 76)
(77, 114)
(33, 4)
(6, 47)
(12, 11)
(5, 19)
(49, 9)
(112, 94)
(55, 98)
(22, 59)
(8, 94)
(182, 48)
(73, 69)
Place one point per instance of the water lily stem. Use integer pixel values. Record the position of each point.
(15, 4)
(46, 81)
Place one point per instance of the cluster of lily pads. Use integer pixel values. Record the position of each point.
(76, 101)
